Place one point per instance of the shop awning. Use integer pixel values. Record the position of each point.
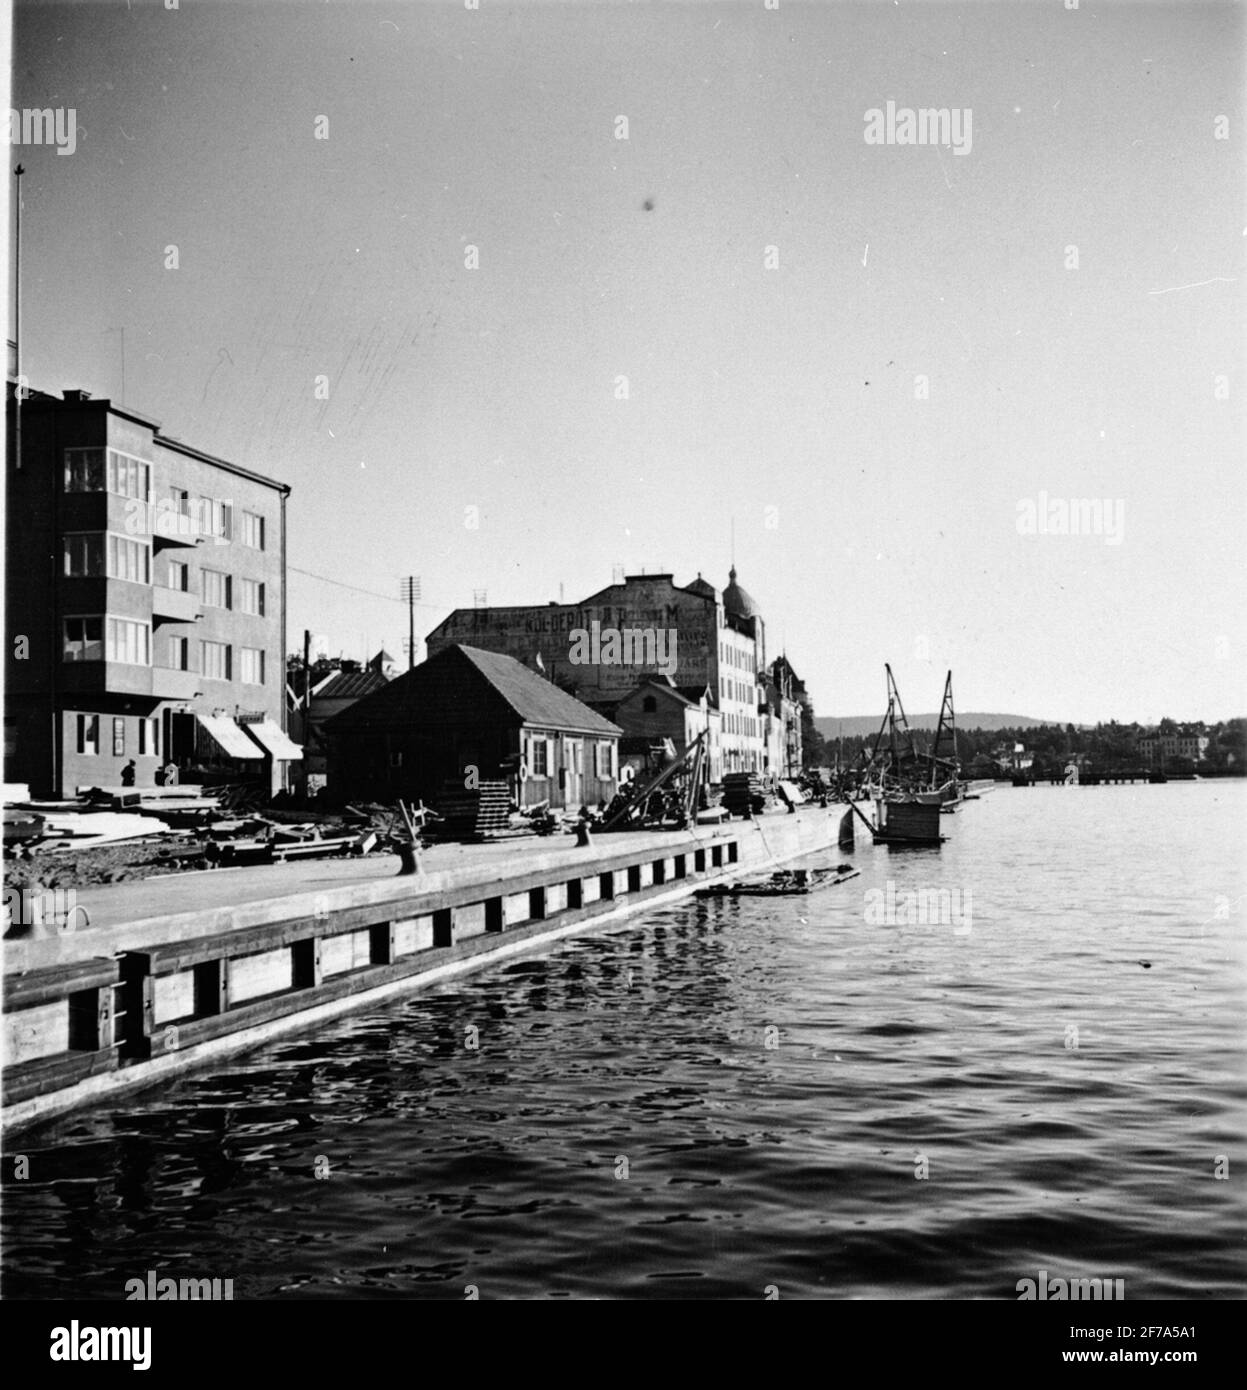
(275, 741)
(228, 736)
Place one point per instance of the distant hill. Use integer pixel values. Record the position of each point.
(860, 725)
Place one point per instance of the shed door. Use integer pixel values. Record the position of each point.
(574, 763)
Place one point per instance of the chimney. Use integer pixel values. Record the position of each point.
(76, 395)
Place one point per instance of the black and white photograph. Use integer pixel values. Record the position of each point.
(625, 667)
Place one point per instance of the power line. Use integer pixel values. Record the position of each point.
(354, 588)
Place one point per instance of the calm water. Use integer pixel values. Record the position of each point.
(623, 1128)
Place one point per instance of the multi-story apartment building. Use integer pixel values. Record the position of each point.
(699, 638)
(146, 603)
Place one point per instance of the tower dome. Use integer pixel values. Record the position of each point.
(737, 601)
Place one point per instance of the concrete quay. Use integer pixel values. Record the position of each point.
(175, 972)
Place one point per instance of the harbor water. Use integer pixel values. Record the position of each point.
(829, 1096)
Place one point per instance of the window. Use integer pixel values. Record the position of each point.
(253, 530)
(84, 554)
(89, 734)
(540, 762)
(602, 760)
(181, 500)
(214, 660)
(178, 576)
(129, 642)
(179, 653)
(216, 588)
(251, 596)
(649, 705)
(129, 559)
(218, 518)
(84, 639)
(128, 476)
(149, 737)
(251, 665)
(84, 470)
(119, 738)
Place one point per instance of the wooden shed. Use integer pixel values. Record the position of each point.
(472, 716)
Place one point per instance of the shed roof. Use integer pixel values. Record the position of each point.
(462, 685)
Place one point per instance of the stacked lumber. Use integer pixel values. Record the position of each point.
(84, 830)
(744, 793)
(469, 812)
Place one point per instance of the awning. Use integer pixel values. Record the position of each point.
(275, 741)
(230, 738)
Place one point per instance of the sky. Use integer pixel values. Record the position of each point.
(743, 331)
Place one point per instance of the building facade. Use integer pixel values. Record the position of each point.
(658, 710)
(1158, 749)
(146, 601)
(647, 625)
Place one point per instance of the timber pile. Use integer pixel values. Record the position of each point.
(470, 812)
(744, 793)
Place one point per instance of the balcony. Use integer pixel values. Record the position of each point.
(174, 685)
(173, 605)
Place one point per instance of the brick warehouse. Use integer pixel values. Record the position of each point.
(146, 603)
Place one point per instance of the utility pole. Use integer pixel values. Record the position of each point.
(410, 592)
(17, 314)
(307, 680)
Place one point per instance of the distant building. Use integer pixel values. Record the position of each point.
(1157, 749)
(659, 710)
(786, 706)
(146, 595)
(689, 633)
(467, 716)
(1013, 756)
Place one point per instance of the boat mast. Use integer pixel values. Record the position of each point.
(946, 714)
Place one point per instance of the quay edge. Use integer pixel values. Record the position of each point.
(136, 1002)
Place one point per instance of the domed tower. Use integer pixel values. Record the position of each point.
(739, 605)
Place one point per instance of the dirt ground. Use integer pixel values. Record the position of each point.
(81, 868)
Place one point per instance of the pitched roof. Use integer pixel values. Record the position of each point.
(662, 684)
(350, 685)
(461, 684)
(694, 694)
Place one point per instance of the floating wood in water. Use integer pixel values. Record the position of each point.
(787, 883)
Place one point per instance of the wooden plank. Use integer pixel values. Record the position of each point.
(58, 982)
(44, 1074)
